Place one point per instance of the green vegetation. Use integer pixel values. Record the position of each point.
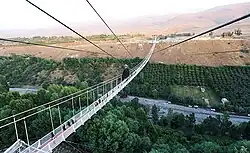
(3, 84)
(238, 32)
(229, 82)
(29, 70)
(155, 81)
(125, 127)
(38, 125)
(196, 93)
(70, 39)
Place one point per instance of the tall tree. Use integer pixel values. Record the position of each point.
(238, 32)
(155, 115)
(4, 87)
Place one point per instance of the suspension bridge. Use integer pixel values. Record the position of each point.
(101, 95)
(84, 104)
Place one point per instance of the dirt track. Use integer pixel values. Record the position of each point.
(200, 52)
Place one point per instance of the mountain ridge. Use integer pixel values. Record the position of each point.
(160, 24)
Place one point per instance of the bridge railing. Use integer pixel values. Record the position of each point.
(59, 134)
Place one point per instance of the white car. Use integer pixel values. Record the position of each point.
(169, 102)
(212, 109)
(189, 106)
(195, 106)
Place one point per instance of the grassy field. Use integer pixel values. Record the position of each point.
(196, 93)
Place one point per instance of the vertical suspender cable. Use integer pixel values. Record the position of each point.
(16, 128)
(87, 98)
(51, 119)
(73, 106)
(93, 94)
(59, 113)
(111, 85)
(97, 90)
(80, 106)
(26, 132)
(103, 90)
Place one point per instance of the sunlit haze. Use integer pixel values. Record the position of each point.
(18, 14)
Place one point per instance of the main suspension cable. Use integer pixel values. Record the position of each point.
(69, 28)
(108, 27)
(208, 31)
(48, 46)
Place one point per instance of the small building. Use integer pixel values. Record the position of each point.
(203, 89)
(224, 100)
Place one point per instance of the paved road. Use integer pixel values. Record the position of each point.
(200, 113)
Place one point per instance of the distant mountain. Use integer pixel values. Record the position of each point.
(193, 22)
(201, 20)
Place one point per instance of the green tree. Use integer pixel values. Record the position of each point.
(177, 121)
(182, 150)
(238, 32)
(4, 87)
(206, 147)
(155, 93)
(155, 116)
(225, 124)
(246, 133)
(20, 105)
(161, 148)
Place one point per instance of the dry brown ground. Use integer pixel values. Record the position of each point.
(206, 52)
(200, 52)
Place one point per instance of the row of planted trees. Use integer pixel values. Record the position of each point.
(227, 82)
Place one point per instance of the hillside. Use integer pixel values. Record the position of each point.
(156, 24)
(195, 22)
(212, 17)
(199, 52)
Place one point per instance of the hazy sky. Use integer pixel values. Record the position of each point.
(18, 14)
